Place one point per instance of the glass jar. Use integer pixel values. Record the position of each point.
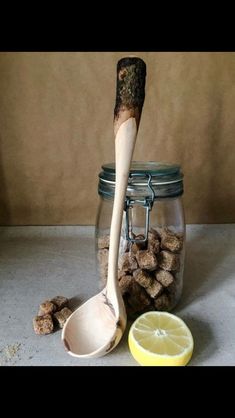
(151, 252)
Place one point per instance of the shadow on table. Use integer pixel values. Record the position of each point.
(204, 342)
(204, 255)
(75, 302)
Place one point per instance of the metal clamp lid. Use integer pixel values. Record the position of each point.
(167, 180)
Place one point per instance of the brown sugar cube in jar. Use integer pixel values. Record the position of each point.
(62, 316)
(60, 302)
(153, 234)
(125, 284)
(103, 242)
(104, 273)
(164, 277)
(142, 277)
(162, 303)
(168, 261)
(43, 324)
(161, 231)
(46, 307)
(154, 246)
(146, 260)
(172, 242)
(121, 273)
(127, 263)
(153, 242)
(137, 246)
(103, 263)
(154, 289)
(138, 299)
(103, 256)
(130, 311)
(125, 245)
(138, 302)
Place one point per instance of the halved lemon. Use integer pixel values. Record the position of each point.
(160, 339)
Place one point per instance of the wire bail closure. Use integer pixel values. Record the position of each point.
(147, 204)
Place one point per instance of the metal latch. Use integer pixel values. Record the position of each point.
(147, 203)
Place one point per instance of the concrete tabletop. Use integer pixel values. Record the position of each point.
(38, 263)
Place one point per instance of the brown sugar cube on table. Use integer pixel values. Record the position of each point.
(146, 260)
(43, 324)
(60, 302)
(162, 303)
(46, 307)
(168, 261)
(164, 277)
(142, 277)
(62, 316)
(125, 284)
(154, 289)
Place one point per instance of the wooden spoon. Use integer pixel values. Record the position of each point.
(97, 326)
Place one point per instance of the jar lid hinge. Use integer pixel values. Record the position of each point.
(147, 204)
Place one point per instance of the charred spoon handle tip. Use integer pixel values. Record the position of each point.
(130, 90)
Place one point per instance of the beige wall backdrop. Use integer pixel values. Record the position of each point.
(56, 129)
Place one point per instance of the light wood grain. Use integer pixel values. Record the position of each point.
(96, 327)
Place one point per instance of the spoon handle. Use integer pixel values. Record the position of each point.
(130, 94)
(124, 147)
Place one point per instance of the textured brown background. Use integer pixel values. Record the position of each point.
(56, 129)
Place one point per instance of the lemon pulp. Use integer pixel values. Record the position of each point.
(160, 339)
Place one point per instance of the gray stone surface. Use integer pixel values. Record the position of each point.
(37, 263)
